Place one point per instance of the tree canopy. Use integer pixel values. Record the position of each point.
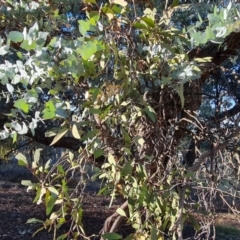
(128, 85)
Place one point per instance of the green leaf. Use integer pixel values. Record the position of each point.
(151, 113)
(87, 50)
(95, 110)
(139, 140)
(105, 165)
(94, 17)
(50, 106)
(98, 152)
(189, 174)
(50, 204)
(127, 169)
(47, 164)
(14, 137)
(22, 161)
(48, 115)
(26, 46)
(49, 111)
(154, 233)
(4, 50)
(148, 21)
(34, 220)
(60, 169)
(111, 159)
(15, 36)
(120, 2)
(203, 60)
(140, 25)
(180, 93)
(194, 222)
(61, 133)
(53, 190)
(37, 155)
(126, 137)
(37, 195)
(10, 88)
(200, 18)
(175, 3)
(70, 156)
(63, 236)
(121, 212)
(111, 236)
(84, 27)
(22, 105)
(75, 132)
(90, 1)
(27, 183)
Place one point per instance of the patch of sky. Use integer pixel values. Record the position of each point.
(72, 23)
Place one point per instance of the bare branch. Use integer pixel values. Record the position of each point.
(226, 114)
(216, 149)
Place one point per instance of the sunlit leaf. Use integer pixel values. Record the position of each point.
(34, 220)
(10, 88)
(36, 156)
(24, 129)
(120, 2)
(22, 161)
(87, 50)
(26, 45)
(121, 212)
(22, 105)
(84, 27)
(61, 133)
(48, 114)
(53, 190)
(111, 159)
(27, 183)
(4, 50)
(149, 21)
(70, 155)
(139, 140)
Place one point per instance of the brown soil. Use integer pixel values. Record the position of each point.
(16, 207)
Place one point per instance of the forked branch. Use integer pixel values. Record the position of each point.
(113, 222)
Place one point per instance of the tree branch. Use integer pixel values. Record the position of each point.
(229, 113)
(64, 142)
(112, 223)
(216, 149)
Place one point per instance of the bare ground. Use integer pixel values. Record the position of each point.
(16, 208)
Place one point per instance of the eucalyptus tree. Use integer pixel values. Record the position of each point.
(125, 84)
